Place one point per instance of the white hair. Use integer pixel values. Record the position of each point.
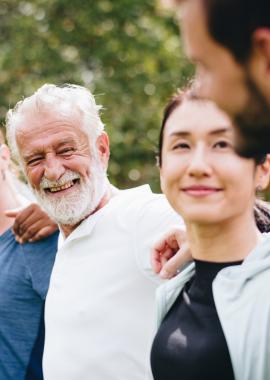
(65, 100)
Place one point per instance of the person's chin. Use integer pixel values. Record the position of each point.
(253, 124)
(252, 141)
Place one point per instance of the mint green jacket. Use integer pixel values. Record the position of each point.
(242, 298)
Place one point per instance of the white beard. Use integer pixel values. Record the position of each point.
(81, 202)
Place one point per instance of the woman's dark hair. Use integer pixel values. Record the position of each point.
(176, 100)
(261, 208)
(233, 22)
(262, 215)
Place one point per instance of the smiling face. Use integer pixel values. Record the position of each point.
(201, 175)
(67, 176)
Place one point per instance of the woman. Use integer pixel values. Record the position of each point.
(24, 278)
(215, 315)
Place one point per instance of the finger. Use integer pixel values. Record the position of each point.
(171, 267)
(173, 243)
(155, 261)
(167, 241)
(28, 227)
(37, 230)
(12, 213)
(173, 238)
(21, 221)
(166, 247)
(180, 236)
(43, 233)
(160, 245)
(166, 255)
(32, 229)
(30, 221)
(159, 259)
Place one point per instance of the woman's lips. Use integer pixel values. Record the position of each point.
(200, 191)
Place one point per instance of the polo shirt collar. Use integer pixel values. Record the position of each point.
(85, 228)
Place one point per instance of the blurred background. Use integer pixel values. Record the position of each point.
(127, 52)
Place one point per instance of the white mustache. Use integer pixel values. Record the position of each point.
(68, 176)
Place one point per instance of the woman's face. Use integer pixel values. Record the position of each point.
(201, 175)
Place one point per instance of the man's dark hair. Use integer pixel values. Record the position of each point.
(233, 22)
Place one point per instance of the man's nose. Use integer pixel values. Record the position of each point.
(53, 169)
(202, 86)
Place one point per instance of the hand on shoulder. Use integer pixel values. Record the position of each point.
(31, 223)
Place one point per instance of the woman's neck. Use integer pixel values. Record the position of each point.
(225, 242)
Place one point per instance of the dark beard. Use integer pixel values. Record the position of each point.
(253, 124)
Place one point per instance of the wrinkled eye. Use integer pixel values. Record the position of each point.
(34, 161)
(66, 151)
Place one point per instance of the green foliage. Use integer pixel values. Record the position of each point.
(124, 51)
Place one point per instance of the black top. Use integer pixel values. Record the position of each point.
(190, 344)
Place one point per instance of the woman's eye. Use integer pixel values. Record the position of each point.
(181, 146)
(222, 144)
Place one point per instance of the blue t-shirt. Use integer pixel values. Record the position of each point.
(25, 271)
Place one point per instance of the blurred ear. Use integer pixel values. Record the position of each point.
(260, 58)
(103, 148)
(261, 42)
(5, 156)
(263, 173)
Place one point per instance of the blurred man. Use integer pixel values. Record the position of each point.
(100, 306)
(24, 280)
(229, 41)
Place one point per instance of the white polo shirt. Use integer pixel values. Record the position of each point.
(100, 307)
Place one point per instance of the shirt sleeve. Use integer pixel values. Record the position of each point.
(39, 258)
(155, 217)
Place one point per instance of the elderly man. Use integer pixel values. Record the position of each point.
(229, 41)
(100, 305)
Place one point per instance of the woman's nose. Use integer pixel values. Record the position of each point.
(199, 164)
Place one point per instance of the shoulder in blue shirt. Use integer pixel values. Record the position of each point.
(25, 271)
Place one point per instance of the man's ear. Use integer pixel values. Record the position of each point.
(103, 148)
(261, 42)
(259, 62)
(263, 174)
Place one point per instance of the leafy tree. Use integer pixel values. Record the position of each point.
(125, 52)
